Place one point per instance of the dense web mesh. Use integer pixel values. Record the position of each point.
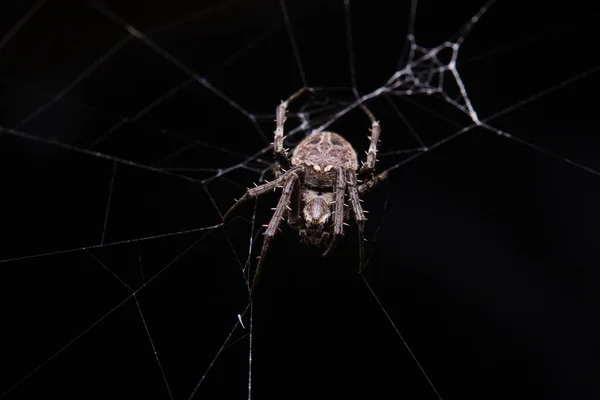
(128, 129)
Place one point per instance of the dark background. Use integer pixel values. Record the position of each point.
(482, 251)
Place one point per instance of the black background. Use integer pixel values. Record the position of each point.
(482, 251)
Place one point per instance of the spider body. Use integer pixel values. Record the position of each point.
(320, 156)
(319, 186)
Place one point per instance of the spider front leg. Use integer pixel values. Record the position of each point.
(372, 182)
(359, 215)
(367, 168)
(271, 230)
(338, 221)
(294, 218)
(254, 192)
(280, 153)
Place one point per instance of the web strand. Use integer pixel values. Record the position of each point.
(290, 32)
(97, 154)
(250, 352)
(120, 242)
(541, 150)
(21, 22)
(405, 121)
(350, 44)
(169, 57)
(110, 192)
(401, 338)
(109, 271)
(214, 360)
(160, 367)
(110, 312)
(93, 67)
(408, 48)
(62, 349)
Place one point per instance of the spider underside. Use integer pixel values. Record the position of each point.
(323, 169)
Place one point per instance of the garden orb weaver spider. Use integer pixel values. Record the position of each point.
(322, 171)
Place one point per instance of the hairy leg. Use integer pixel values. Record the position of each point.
(262, 189)
(338, 221)
(367, 168)
(359, 215)
(281, 156)
(272, 226)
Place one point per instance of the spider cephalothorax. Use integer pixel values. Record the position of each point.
(315, 183)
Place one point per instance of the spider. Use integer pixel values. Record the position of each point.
(322, 171)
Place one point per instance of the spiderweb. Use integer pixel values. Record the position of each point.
(128, 129)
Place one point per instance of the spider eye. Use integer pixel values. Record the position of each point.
(336, 142)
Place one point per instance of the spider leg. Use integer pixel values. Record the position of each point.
(338, 222)
(359, 215)
(273, 225)
(261, 189)
(294, 208)
(371, 183)
(367, 167)
(280, 153)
